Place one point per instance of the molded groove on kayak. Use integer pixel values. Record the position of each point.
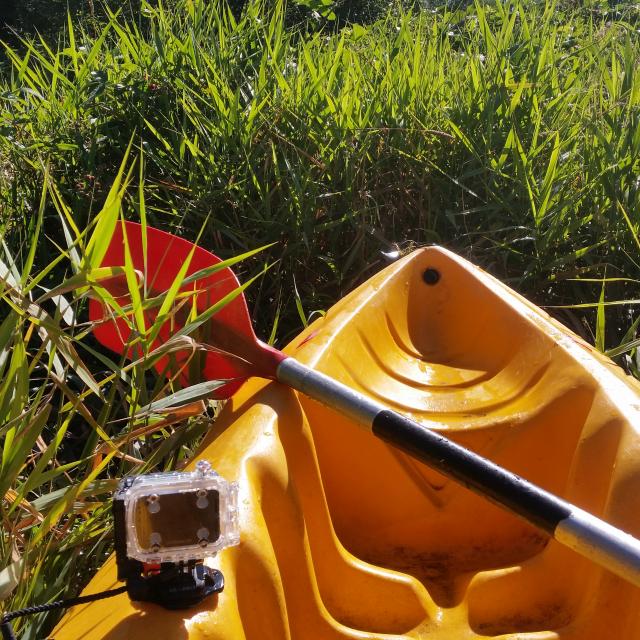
(400, 342)
(444, 409)
(418, 374)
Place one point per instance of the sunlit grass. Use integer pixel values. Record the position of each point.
(509, 132)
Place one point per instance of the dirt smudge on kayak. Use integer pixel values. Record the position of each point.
(446, 576)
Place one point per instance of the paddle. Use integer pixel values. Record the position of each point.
(236, 353)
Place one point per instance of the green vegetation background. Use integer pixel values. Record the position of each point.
(344, 133)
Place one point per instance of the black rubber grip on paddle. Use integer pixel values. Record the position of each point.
(534, 504)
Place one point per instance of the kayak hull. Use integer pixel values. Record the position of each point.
(345, 537)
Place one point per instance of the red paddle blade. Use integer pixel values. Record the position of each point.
(239, 353)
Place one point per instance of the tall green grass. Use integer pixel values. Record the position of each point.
(507, 131)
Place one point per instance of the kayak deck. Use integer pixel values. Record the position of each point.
(345, 537)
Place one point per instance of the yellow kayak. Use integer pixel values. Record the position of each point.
(344, 537)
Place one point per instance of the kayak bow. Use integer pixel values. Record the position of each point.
(239, 352)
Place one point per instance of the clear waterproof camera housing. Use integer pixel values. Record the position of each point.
(176, 517)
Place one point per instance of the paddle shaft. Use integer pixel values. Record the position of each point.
(589, 536)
